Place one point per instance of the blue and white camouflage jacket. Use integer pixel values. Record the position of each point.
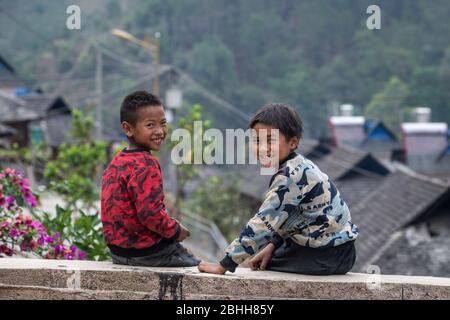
(302, 204)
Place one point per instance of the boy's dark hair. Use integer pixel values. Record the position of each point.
(282, 117)
(133, 102)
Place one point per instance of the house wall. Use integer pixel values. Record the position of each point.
(21, 136)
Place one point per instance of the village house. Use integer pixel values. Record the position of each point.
(29, 115)
(426, 144)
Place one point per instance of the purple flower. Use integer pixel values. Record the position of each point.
(36, 225)
(31, 199)
(10, 202)
(82, 255)
(41, 241)
(49, 239)
(33, 245)
(69, 257)
(4, 224)
(18, 220)
(8, 252)
(23, 246)
(58, 249)
(13, 233)
(14, 177)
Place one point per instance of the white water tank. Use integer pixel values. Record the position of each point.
(422, 115)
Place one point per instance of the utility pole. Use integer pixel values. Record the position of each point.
(157, 63)
(99, 90)
(152, 44)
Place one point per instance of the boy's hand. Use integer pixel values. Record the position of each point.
(262, 258)
(184, 233)
(214, 268)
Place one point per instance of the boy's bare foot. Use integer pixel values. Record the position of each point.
(208, 267)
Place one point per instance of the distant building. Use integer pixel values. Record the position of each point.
(426, 144)
(380, 140)
(358, 132)
(30, 115)
(5, 133)
(347, 129)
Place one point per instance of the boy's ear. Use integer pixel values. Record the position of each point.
(293, 144)
(127, 128)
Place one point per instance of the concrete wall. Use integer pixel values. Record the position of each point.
(60, 279)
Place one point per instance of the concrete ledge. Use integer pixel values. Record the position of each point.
(60, 279)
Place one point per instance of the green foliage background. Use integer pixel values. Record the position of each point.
(310, 53)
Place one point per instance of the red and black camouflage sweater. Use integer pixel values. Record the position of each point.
(132, 205)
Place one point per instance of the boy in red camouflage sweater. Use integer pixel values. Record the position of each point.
(136, 226)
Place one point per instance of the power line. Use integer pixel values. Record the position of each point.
(231, 108)
(115, 91)
(24, 26)
(117, 57)
(80, 78)
(77, 64)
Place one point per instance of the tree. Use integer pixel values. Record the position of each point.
(212, 62)
(388, 104)
(430, 88)
(220, 202)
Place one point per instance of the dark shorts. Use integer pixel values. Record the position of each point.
(171, 255)
(291, 257)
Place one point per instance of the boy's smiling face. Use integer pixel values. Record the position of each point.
(150, 128)
(275, 149)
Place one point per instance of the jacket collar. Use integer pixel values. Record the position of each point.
(291, 155)
(140, 149)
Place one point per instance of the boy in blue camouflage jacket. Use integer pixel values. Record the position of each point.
(303, 225)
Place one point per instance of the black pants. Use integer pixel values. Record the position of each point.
(291, 257)
(171, 255)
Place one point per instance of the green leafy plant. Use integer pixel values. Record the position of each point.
(186, 172)
(73, 175)
(220, 202)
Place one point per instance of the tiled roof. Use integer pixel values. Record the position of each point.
(30, 107)
(401, 197)
(39, 103)
(15, 110)
(356, 187)
(338, 161)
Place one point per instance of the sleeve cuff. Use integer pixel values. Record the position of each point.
(228, 264)
(177, 232)
(276, 240)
